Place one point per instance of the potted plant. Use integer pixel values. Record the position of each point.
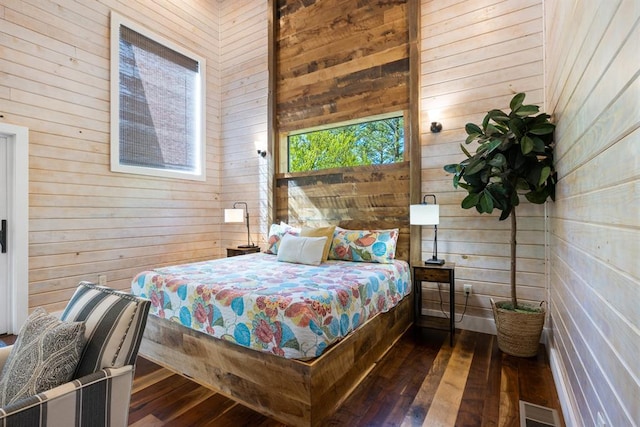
(514, 157)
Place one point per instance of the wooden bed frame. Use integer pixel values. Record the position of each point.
(294, 392)
(302, 393)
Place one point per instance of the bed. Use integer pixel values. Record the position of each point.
(288, 340)
(300, 389)
(291, 310)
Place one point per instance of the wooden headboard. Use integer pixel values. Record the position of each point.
(363, 197)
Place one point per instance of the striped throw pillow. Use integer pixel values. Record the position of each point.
(114, 323)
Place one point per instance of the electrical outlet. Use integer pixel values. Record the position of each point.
(468, 289)
(102, 280)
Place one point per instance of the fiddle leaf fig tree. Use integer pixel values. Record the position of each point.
(514, 157)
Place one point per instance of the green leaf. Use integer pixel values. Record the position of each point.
(472, 138)
(498, 160)
(498, 194)
(498, 116)
(537, 197)
(505, 213)
(526, 144)
(472, 128)
(475, 167)
(492, 130)
(527, 110)
(542, 129)
(516, 125)
(491, 146)
(465, 186)
(522, 184)
(538, 145)
(516, 101)
(546, 171)
(452, 168)
(470, 201)
(464, 150)
(486, 203)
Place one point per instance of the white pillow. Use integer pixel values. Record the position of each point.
(301, 250)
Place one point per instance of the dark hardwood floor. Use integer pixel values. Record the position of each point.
(420, 381)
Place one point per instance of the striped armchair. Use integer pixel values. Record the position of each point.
(100, 394)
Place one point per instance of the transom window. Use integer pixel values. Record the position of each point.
(370, 142)
(158, 105)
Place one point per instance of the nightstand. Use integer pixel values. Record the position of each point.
(242, 251)
(435, 274)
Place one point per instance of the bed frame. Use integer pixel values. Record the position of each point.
(294, 392)
(302, 393)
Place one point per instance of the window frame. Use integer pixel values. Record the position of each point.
(198, 173)
(283, 164)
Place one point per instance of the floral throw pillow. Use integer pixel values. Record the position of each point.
(275, 235)
(364, 245)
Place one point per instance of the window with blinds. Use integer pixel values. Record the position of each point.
(157, 105)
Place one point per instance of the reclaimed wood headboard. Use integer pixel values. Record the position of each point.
(363, 197)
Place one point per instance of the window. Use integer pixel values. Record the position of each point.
(157, 105)
(371, 142)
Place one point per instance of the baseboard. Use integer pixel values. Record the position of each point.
(469, 323)
(564, 396)
(485, 325)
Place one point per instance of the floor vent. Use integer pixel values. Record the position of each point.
(537, 416)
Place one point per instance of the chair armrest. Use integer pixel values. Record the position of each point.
(4, 354)
(103, 397)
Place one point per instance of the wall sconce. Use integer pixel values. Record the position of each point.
(262, 153)
(436, 127)
(236, 215)
(427, 214)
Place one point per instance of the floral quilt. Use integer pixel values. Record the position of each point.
(290, 310)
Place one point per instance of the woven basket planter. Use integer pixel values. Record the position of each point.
(518, 332)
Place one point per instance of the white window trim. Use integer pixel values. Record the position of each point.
(200, 172)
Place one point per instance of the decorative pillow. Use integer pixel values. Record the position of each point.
(321, 232)
(301, 250)
(364, 245)
(44, 356)
(275, 235)
(114, 322)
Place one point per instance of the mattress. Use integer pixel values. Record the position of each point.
(290, 310)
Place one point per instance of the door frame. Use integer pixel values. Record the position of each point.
(18, 219)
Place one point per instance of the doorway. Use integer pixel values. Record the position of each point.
(14, 210)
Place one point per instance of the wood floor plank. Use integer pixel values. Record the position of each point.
(475, 393)
(509, 394)
(491, 409)
(148, 421)
(422, 402)
(446, 402)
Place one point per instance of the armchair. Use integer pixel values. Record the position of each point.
(100, 393)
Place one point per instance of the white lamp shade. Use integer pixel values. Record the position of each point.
(424, 214)
(234, 215)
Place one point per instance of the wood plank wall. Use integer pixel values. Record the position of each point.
(340, 60)
(475, 55)
(593, 91)
(245, 176)
(85, 220)
(365, 197)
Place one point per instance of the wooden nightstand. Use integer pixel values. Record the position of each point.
(438, 274)
(242, 251)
